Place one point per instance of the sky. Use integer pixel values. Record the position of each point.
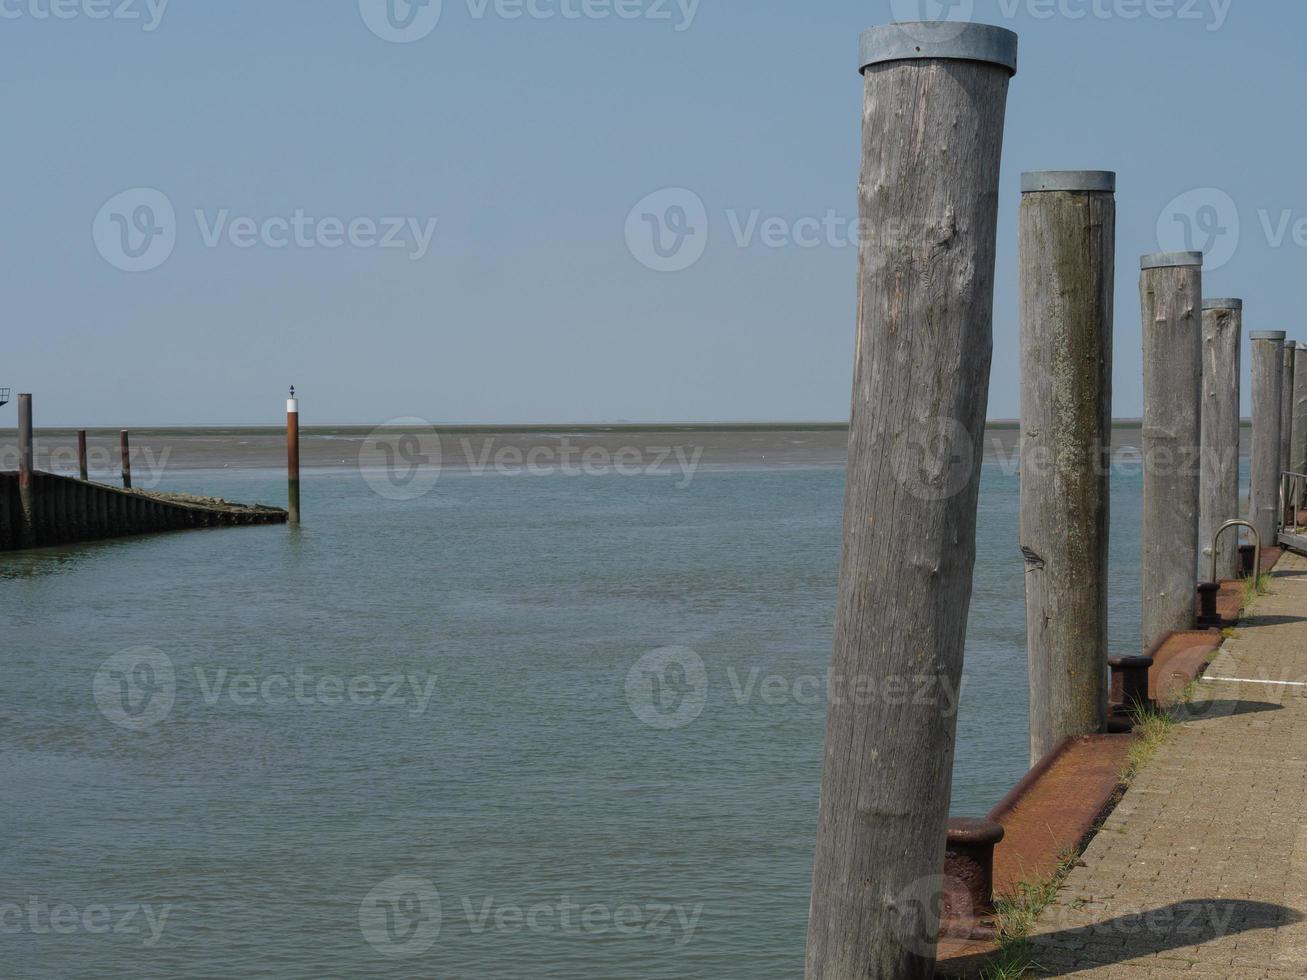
(441, 211)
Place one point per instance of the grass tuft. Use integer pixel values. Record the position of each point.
(1017, 917)
(1255, 586)
(1154, 726)
(1014, 961)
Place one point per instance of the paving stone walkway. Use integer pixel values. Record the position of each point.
(1202, 869)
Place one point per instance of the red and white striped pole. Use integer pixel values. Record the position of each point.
(293, 456)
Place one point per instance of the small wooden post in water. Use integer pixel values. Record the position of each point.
(1068, 262)
(124, 443)
(26, 467)
(1221, 426)
(293, 456)
(1171, 295)
(83, 471)
(1264, 484)
(1298, 424)
(935, 102)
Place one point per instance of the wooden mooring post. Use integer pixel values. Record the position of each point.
(125, 453)
(935, 102)
(1298, 424)
(1068, 262)
(293, 457)
(26, 467)
(1222, 341)
(83, 471)
(1171, 296)
(1268, 403)
(1286, 406)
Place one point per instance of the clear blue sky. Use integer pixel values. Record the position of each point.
(529, 140)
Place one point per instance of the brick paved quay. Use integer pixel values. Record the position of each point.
(1202, 869)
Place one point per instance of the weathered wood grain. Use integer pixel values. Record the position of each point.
(928, 196)
(1171, 299)
(1286, 407)
(1269, 423)
(1221, 422)
(1298, 422)
(1067, 243)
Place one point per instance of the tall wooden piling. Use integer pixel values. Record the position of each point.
(1286, 407)
(26, 467)
(1268, 382)
(1222, 341)
(935, 102)
(293, 457)
(1068, 261)
(125, 452)
(83, 471)
(1171, 295)
(1298, 423)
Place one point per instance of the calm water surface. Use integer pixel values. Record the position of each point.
(565, 837)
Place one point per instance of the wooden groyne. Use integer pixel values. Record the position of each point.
(40, 510)
(68, 511)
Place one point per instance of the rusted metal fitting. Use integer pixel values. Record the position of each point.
(969, 879)
(1246, 557)
(1129, 685)
(1208, 617)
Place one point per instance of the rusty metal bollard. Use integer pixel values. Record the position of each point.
(1208, 617)
(969, 879)
(1247, 558)
(1129, 685)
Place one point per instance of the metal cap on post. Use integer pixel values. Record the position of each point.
(935, 101)
(938, 40)
(1171, 260)
(1223, 304)
(1073, 181)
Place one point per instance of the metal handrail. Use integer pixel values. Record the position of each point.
(1257, 546)
(1292, 489)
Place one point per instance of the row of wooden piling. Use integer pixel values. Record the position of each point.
(44, 509)
(935, 100)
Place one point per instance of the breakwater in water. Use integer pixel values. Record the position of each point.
(64, 510)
